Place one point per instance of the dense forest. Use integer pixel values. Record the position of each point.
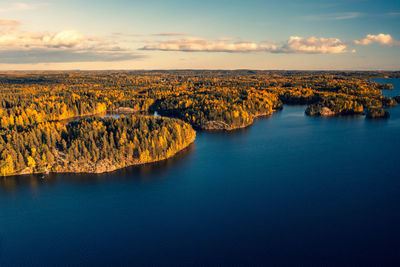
(93, 144)
(230, 99)
(40, 130)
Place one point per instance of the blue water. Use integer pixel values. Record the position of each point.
(290, 189)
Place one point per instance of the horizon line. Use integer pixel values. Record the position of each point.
(194, 69)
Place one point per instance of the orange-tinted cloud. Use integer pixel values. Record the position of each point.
(9, 23)
(193, 44)
(314, 45)
(381, 38)
(18, 46)
(293, 45)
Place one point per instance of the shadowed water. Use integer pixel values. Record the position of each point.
(290, 189)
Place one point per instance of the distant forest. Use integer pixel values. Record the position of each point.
(44, 125)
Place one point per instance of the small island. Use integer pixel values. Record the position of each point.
(377, 113)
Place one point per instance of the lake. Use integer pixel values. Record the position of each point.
(290, 189)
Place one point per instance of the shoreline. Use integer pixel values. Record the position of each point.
(243, 126)
(185, 146)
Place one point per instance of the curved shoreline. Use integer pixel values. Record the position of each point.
(112, 169)
(160, 139)
(181, 148)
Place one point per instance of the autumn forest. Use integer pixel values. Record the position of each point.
(101, 121)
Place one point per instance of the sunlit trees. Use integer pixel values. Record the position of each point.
(93, 145)
(40, 129)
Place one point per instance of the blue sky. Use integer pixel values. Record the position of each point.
(219, 34)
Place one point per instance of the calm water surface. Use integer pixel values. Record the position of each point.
(289, 189)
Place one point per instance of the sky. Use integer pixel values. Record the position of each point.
(207, 34)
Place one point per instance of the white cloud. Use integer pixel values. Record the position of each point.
(17, 46)
(313, 45)
(68, 38)
(193, 44)
(293, 45)
(14, 38)
(381, 38)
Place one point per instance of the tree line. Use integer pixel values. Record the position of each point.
(92, 145)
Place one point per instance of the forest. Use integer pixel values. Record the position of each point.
(57, 121)
(92, 145)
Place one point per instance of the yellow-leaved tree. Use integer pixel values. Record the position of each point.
(7, 167)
